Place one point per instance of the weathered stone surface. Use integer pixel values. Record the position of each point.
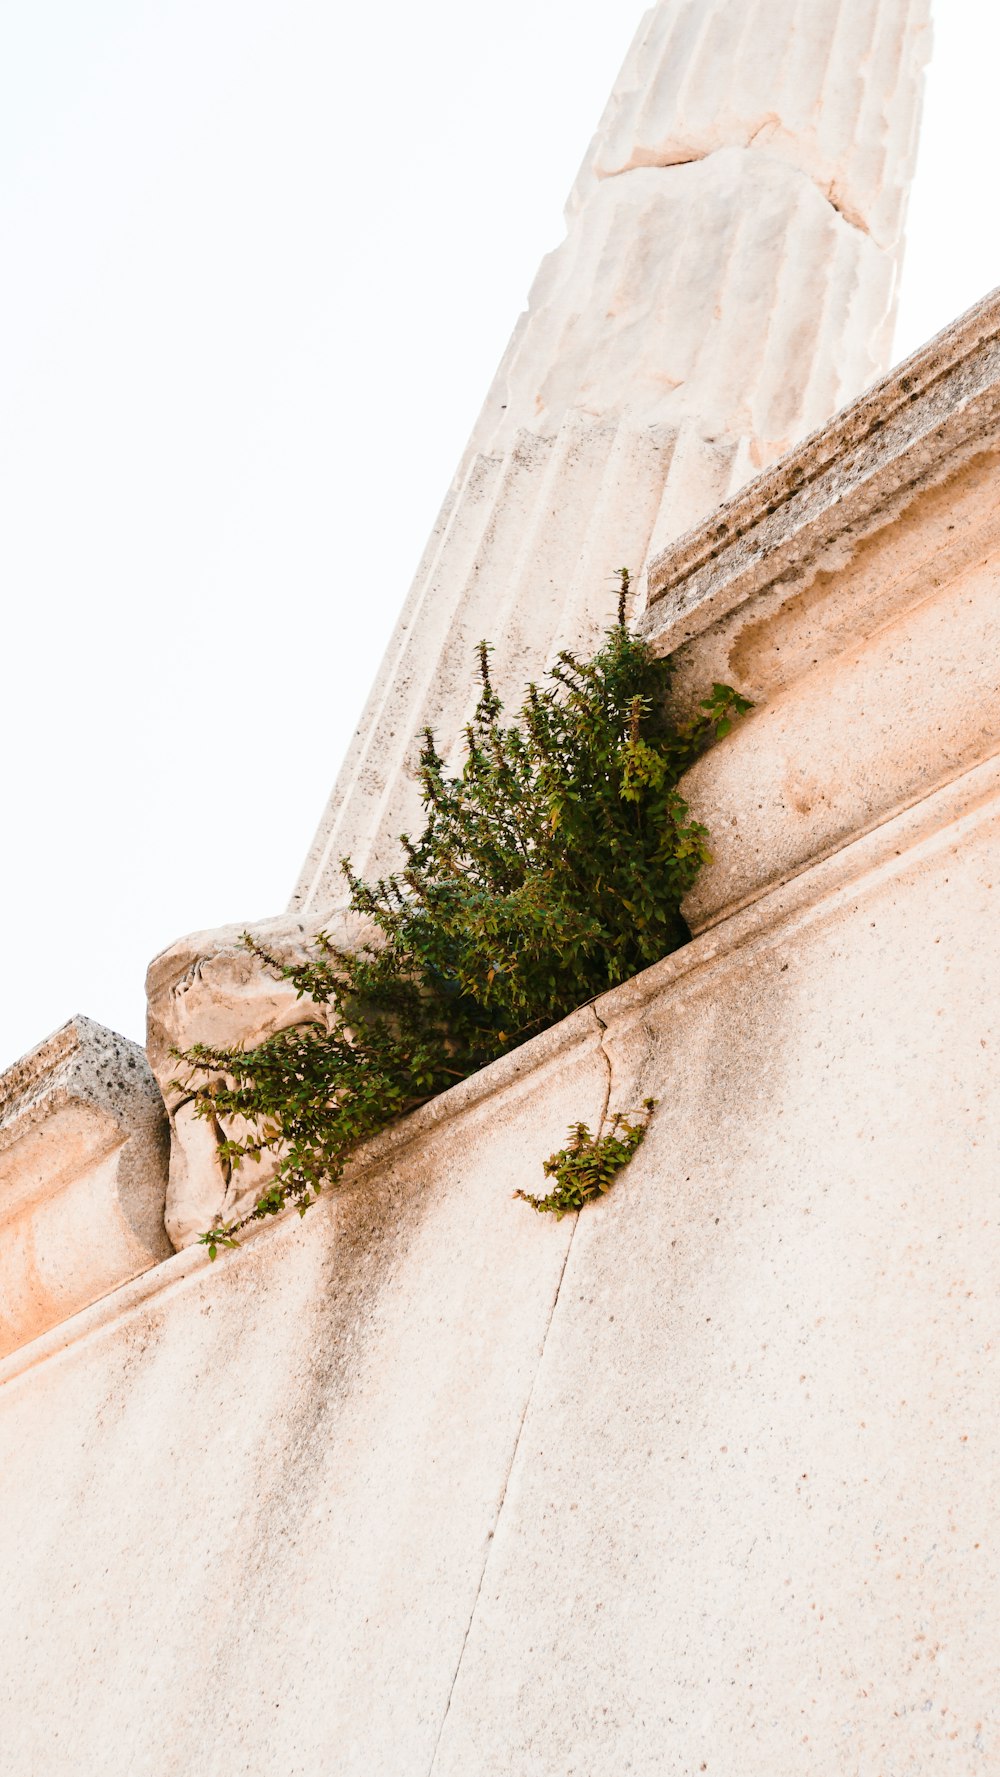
(278, 1479)
(705, 1480)
(83, 1162)
(825, 89)
(749, 1525)
(698, 334)
(805, 518)
(852, 593)
(727, 1449)
(731, 1481)
(208, 988)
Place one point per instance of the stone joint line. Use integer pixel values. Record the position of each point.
(502, 1502)
(602, 1030)
(827, 192)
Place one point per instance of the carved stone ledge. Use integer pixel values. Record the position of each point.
(813, 510)
(852, 594)
(83, 1173)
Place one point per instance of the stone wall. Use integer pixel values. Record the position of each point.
(426, 1486)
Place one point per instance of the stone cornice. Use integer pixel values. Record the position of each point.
(910, 431)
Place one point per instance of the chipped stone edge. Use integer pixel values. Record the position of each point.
(25, 1081)
(940, 821)
(907, 432)
(83, 1131)
(82, 1062)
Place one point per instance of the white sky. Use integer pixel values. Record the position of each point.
(262, 257)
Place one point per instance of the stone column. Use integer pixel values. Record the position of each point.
(727, 282)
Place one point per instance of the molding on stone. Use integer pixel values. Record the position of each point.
(944, 820)
(83, 1167)
(909, 432)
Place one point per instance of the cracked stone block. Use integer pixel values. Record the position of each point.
(83, 1173)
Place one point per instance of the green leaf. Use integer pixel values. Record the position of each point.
(551, 866)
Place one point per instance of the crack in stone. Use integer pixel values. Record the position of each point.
(852, 217)
(503, 1496)
(646, 162)
(602, 1028)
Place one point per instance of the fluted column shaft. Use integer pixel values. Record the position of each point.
(726, 283)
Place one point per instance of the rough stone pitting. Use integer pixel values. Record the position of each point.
(208, 988)
(83, 1164)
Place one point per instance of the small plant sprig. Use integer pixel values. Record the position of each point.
(551, 867)
(587, 1167)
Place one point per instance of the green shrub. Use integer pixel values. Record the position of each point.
(551, 866)
(589, 1164)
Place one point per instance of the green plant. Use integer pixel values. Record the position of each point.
(588, 1166)
(552, 866)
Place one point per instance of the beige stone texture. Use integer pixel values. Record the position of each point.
(704, 1479)
(208, 988)
(83, 1166)
(749, 1525)
(284, 1471)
